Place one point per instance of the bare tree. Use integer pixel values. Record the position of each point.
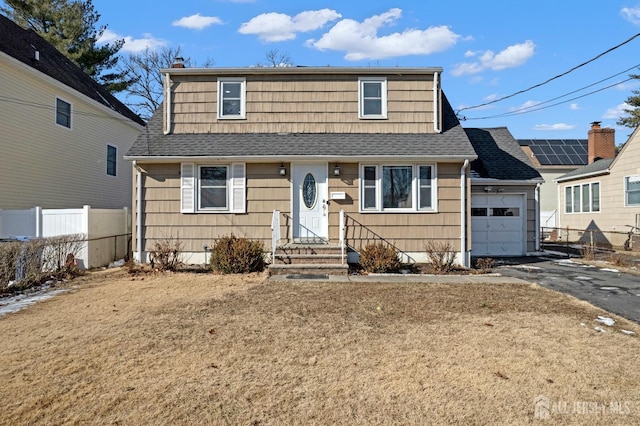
(275, 58)
(144, 95)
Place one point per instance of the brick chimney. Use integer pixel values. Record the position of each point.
(602, 142)
(179, 62)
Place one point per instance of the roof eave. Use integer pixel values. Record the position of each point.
(303, 70)
(146, 159)
(508, 182)
(583, 176)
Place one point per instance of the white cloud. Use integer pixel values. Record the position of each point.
(574, 107)
(197, 21)
(525, 106)
(512, 56)
(617, 111)
(557, 126)
(360, 40)
(273, 26)
(132, 45)
(631, 14)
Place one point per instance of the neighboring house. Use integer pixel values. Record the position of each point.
(604, 195)
(553, 158)
(62, 136)
(371, 153)
(504, 196)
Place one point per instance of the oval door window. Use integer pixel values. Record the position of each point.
(309, 190)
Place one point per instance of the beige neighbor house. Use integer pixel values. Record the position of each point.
(62, 136)
(302, 157)
(604, 195)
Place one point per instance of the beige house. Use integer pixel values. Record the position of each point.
(305, 156)
(605, 194)
(63, 136)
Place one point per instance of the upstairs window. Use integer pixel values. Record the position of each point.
(63, 113)
(231, 98)
(112, 160)
(632, 190)
(372, 97)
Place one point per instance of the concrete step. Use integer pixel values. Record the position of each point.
(309, 269)
(297, 248)
(285, 258)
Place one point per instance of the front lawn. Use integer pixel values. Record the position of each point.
(187, 348)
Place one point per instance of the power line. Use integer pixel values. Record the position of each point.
(552, 78)
(534, 108)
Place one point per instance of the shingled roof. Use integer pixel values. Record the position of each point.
(453, 141)
(596, 168)
(23, 44)
(499, 156)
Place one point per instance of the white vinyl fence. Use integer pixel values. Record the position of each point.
(107, 231)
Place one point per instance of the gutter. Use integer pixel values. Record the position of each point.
(138, 212)
(463, 214)
(298, 158)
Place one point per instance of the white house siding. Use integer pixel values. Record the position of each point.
(47, 165)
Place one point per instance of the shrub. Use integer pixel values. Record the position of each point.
(588, 252)
(442, 257)
(233, 255)
(165, 255)
(379, 258)
(485, 264)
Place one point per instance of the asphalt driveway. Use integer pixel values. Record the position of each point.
(608, 288)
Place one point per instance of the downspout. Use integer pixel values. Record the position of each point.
(436, 102)
(138, 212)
(167, 102)
(537, 197)
(463, 214)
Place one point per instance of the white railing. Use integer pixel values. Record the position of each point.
(342, 231)
(275, 233)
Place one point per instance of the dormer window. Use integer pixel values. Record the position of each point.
(231, 98)
(372, 97)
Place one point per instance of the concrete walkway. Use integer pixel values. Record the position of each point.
(405, 278)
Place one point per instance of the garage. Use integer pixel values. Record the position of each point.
(498, 225)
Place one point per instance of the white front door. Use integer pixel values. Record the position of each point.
(310, 208)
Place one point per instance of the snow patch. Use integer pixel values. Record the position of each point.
(606, 320)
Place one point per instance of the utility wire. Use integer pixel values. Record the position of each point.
(552, 78)
(535, 107)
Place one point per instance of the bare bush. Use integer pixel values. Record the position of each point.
(485, 264)
(588, 252)
(442, 256)
(236, 255)
(618, 259)
(379, 258)
(60, 253)
(166, 253)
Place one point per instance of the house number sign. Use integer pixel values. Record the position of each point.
(309, 191)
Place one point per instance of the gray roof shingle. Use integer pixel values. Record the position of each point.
(598, 166)
(22, 44)
(499, 155)
(453, 141)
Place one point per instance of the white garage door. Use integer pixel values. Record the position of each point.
(497, 225)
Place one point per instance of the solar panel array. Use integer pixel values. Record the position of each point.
(559, 151)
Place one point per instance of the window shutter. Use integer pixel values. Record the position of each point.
(238, 188)
(187, 188)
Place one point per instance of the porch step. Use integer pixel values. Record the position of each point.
(309, 269)
(309, 259)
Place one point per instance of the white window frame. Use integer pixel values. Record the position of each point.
(243, 98)
(626, 190)
(383, 98)
(190, 187)
(579, 201)
(227, 184)
(415, 189)
(70, 126)
(115, 167)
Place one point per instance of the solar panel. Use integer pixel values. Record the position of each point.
(559, 151)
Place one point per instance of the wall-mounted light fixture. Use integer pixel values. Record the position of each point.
(488, 189)
(336, 170)
(283, 170)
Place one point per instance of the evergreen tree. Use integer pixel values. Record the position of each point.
(632, 120)
(71, 26)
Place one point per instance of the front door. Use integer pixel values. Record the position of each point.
(310, 207)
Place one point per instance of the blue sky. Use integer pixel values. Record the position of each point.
(488, 49)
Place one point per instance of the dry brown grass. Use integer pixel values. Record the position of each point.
(206, 349)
